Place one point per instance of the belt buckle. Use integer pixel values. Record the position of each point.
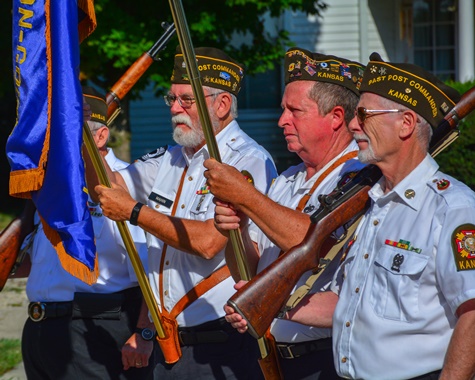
(37, 311)
(285, 351)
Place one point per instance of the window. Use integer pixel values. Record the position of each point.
(434, 36)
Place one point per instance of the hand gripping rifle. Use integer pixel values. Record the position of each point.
(11, 238)
(262, 298)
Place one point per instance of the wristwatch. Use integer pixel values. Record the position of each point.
(145, 333)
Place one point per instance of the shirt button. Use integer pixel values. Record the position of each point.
(357, 290)
(190, 178)
(165, 292)
(376, 222)
(343, 359)
(167, 262)
(182, 206)
(347, 324)
(366, 255)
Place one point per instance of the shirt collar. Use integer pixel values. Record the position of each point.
(221, 138)
(411, 190)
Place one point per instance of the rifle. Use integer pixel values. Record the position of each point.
(261, 299)
(133, 74)
(11, 238)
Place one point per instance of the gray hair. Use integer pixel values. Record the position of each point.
(328, 96)
(423, 128)
(216, 91)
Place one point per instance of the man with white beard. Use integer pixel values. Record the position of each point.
(165, 193)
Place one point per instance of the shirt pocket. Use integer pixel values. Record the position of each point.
(200, 206)
(395, 289)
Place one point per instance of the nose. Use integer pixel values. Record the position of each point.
(176, 107)
(354, 125)
(284, 119)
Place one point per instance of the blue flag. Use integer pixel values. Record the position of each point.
(44, 148)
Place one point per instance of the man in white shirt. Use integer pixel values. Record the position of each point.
(166, 195)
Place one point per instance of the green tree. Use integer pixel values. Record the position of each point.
(126, 29)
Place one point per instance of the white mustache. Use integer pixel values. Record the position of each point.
(181, 119)
(360, 136)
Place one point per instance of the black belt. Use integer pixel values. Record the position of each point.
(37, 311)
(428, 376)
(294, 350)
(210, 332)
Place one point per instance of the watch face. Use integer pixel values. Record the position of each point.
(147, 334)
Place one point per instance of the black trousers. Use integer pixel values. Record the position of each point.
(312, 366)
(84, 348)
(234, 359)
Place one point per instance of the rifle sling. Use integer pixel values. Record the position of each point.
(202, 287)
(341, 160)
(303, 290)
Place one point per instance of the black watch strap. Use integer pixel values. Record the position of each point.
(135, 213)
(146, 333)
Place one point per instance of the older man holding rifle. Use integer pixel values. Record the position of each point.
(168, 197)
(320, 96)
(405, 292)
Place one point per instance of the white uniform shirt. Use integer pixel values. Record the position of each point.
(287, 190)
(155, 179)
(49, 282)
(399, 286)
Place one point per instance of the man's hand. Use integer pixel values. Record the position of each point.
(136, 352)
(227, 183)
(116, 203)
(226, 218)
(235, 319)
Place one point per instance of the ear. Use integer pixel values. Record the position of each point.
(223, 102)
(408, 126)
(338, 118)
(101, 137)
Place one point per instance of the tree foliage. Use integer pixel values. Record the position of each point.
(126, 29)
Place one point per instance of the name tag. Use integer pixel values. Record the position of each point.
(161, 200)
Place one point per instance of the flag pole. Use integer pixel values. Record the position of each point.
(193, 73)
(126, 236)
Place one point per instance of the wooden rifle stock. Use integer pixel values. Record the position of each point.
(11, 239)
(134, 72)
(261, 299)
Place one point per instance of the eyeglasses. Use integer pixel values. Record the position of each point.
(362, 113)
(185, 101)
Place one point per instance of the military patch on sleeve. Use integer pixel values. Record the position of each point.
(248, 176)
(463, 246)
(154, 154)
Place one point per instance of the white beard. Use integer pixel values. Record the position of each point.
(366, 156)
(189, 139)
(195, 136)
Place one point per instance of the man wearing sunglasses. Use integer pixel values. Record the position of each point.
(318, 104)
(168, 197)
(406, 290)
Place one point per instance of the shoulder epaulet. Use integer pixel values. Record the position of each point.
(154, 154)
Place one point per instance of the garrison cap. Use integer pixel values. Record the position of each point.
(216, 68)
(411, 86)
(301, 64)
(97, 101)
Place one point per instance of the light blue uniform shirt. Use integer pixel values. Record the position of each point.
(49, 282)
